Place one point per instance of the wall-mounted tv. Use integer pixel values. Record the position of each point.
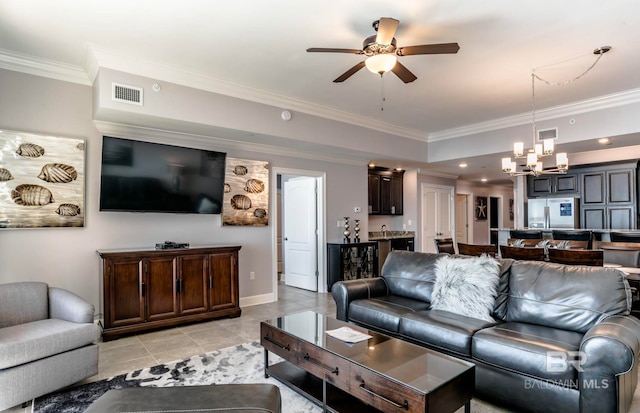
(139, 176)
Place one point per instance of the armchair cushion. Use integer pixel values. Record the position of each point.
(24, 343)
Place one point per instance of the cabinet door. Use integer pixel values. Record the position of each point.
(385, 195)
(566, 184)
(396, 195)
(374, 194)
(539, 185)
(593, 185)
(161, 295)
(223, 275)
(621, 217)
(594, 218)
(621, 187)
(194, 284)
(124, 292)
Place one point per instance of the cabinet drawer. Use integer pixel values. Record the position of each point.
(383, 393)
(322, 364)
(279, 343)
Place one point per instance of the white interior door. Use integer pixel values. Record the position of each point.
(462, 223)
(437, 215)
(300, 236)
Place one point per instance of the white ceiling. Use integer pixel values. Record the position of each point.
(260, 46)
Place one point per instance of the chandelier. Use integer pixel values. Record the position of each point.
(534, 155)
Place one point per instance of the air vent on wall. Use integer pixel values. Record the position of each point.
(547, 134)
(126, 94)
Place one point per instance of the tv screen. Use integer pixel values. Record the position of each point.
(151, 177)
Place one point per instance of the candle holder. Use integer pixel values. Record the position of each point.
(346, 231)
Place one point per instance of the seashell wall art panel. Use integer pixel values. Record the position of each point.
(246, 195)
(41, 180)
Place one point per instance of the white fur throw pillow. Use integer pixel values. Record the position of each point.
(466, 286)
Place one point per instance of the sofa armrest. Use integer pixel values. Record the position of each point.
(609, 351)
(65, 305)
(344, 292)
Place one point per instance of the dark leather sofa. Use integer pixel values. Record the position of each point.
(580, 313)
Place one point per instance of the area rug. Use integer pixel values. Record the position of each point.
(238, 364)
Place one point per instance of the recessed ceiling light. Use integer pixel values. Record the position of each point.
(604, 141)
(463, 165)
(484, 179)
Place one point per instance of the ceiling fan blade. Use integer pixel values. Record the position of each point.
(333, 50)
(440, 48)
(346, 75)
(403, 73)
(386, 30)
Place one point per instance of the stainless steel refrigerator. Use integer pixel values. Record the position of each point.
(554, 213)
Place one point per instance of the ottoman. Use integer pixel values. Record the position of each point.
(236, 398)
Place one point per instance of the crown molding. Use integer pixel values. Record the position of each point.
(589, 105)
(169, 137)
(42, 67)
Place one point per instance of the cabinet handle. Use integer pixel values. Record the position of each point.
(270, 340)
(334, 371)
(404, 405)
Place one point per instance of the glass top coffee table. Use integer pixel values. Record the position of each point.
(382, 372)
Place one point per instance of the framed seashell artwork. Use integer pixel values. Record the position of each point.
(41, 180)
(246, 193)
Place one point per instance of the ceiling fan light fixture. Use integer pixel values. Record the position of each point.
(381, 63)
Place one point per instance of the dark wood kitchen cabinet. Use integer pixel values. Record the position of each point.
(385, 191)
(149, 289)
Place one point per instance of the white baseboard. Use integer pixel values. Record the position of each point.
(256, 299)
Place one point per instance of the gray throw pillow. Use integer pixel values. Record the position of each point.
(466, 286)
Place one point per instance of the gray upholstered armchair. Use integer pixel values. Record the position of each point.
(47, 341)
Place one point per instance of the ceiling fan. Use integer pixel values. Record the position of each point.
(381, 52)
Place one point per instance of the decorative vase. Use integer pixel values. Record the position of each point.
(356, 230)
(346, 231)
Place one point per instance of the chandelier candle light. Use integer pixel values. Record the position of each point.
(538, 151)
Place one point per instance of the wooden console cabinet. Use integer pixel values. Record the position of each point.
(149, 289)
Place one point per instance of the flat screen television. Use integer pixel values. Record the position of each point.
(139, 176)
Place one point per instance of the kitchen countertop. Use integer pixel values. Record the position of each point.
(387, 235)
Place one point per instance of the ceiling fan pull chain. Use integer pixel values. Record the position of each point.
(382, 99)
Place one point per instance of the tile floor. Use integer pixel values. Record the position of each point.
(149, 349)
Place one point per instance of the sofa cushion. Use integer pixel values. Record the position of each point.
(523, 348)
(466, 286)
(28, 342)
(567, 297)
(442, 329)
(411, 274)
(384, 312)
(23, 302)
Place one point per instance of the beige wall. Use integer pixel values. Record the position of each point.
(66, 257)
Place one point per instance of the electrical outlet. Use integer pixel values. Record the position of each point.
(252, 275)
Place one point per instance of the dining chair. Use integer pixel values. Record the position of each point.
(572, 235)
(525, 234)
(625, 254)
(522, 253)
(477, 249)
(569, 244)
(576, 257)
(445, 245)
(531, 242)
(624, 237)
